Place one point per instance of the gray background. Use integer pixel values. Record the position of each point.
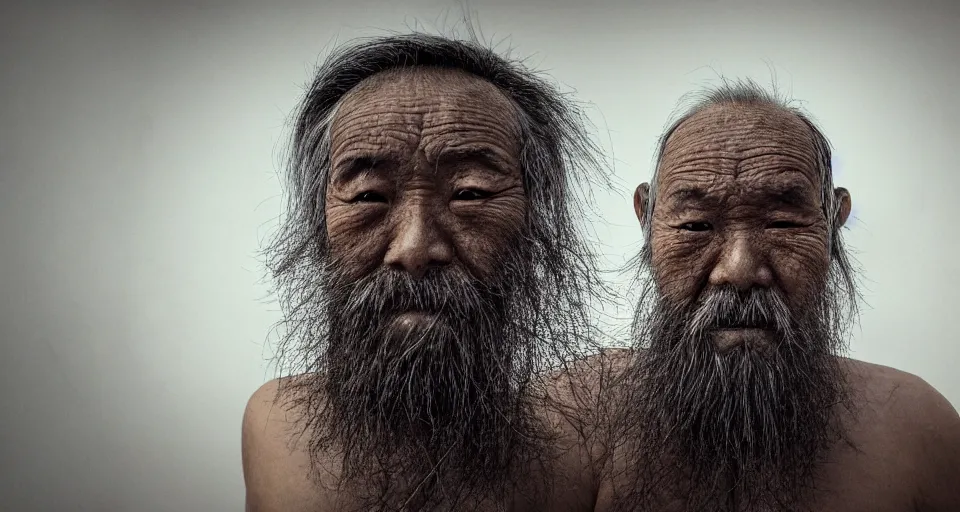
(139, 150)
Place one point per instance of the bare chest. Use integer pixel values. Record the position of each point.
(532, 494)
(860, 480)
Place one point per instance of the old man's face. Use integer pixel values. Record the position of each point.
(428, 252)
(425, 175)
(740, 208)
(739, 319)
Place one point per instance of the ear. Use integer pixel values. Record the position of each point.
(844, 205)
(640, 198)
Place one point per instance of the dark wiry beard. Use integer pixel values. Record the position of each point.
(440, 404)
(733, 430)
(442, 417)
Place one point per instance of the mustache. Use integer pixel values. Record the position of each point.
(726, 307)
(384, 292)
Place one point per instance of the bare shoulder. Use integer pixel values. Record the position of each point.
(276, 465)
(901, 399)
(919, 425)
(580, 407)
(581, 389)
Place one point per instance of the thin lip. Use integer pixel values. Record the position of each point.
(417, 319)
(416, 313)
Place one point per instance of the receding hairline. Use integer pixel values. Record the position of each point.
(783, 114)
(424, 72)
(743, 95)
(377, 81)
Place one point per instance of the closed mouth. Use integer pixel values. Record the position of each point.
(403, 305)
(729, 337)
(414, 316)
(723, 325)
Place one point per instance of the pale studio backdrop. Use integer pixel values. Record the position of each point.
(139, 152)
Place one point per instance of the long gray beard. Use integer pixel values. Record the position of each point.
(428, 416)
(439, 417)
(443, 418)
(738, 430)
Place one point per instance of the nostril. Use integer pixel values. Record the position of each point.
(419, 243)
(742, 266)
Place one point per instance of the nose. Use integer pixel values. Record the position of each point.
(419, 243)
(741, 265)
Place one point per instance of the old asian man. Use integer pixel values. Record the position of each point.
(432, 276)
(737, 397)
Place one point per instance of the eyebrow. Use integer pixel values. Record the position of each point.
(689, 194)
(790, 194)
(351, 167)
(481, 154)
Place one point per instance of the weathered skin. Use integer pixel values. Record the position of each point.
(446, 202)
(739, 159)
(731, 227)
(444, 151)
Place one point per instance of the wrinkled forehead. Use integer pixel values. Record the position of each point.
(430, 109)
(752, 141)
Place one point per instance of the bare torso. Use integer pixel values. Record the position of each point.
(903, 455)
(277, 470)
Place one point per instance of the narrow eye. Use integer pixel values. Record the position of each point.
(696, 226)
(368, 197)
(783, 224)
(470, 194)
